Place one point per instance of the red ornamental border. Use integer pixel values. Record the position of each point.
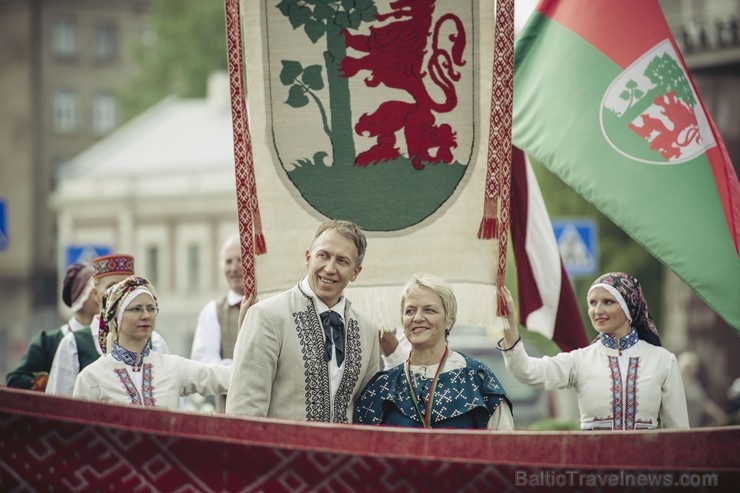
(498, 174)
(250, 227)
(58, 444)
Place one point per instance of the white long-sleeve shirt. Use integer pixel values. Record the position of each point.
(207, 337)
(164, 379)
(637, 388)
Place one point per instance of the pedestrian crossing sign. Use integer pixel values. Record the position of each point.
(85, 253)
(576, 239)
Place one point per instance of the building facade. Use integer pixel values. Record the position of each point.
(61, 63)
(161, 188)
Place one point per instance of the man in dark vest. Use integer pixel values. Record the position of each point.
(81, 347)
(218, 322)
(78, 293)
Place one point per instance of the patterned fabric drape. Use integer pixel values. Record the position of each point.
(498, 177)
(56, 444)
(250, 224)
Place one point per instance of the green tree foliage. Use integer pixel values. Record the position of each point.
(617, 250)
(188, 43)
(667, 75)
(319, 19)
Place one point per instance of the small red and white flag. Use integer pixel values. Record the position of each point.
(547, 303)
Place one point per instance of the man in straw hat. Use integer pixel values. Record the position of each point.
(81, 347)
(79, 295)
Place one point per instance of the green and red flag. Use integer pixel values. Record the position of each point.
(603, 99)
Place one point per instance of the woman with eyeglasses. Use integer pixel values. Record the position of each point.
(130, 372)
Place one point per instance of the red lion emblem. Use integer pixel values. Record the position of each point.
(669, 140)
(395, 57)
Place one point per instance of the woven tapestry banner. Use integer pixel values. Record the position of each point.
(371, 111)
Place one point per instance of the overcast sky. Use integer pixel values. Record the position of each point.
(522, 10)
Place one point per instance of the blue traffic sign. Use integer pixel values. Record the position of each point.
(3, 226)
(576, 239)
(85, 253)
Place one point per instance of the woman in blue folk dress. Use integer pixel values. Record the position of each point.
(436, 387)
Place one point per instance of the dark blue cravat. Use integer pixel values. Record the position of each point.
(334, 332)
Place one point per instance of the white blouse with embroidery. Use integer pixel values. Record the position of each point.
(163, 379)
(637, 388)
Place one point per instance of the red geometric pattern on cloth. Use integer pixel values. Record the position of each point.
(616, 388)
(250, 227)
(108, 265)
(501, 91)
(147, 386)
(57, 444)
(630, 412)
(498, 175)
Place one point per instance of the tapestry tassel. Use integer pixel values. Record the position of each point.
(488, 228)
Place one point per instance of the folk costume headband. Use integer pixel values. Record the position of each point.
(626, 289)
(116, 300)
(115, 264)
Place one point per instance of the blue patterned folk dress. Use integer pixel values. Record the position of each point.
(465, 397)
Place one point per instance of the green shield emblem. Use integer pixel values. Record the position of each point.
(651, 113)
(372, 111)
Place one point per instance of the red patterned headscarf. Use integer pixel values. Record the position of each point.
(628, 292)
(115, 300)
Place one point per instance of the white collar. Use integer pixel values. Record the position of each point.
(321, 307)
(234, 298)
(74, 324)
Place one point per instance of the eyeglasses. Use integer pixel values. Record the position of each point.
(139, 310)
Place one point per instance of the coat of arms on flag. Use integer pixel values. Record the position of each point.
(371, 105)
(604, 100)
(654, 100)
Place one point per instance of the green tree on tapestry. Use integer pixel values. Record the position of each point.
(186, 44)
(326, 18)
(318, 77)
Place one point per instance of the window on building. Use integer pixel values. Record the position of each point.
(104, 113)
(105, 42)
(64, 37)
(193, 267)
(65, 111)
(152, 264)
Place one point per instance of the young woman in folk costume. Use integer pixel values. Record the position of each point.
(625, 380)
(130, 372)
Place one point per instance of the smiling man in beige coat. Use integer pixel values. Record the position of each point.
(306, 353)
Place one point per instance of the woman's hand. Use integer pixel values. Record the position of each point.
(510, 307)
(388, 341)
(511, 335)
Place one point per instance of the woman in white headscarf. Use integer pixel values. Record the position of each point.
(625, 380)
(130, 372)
